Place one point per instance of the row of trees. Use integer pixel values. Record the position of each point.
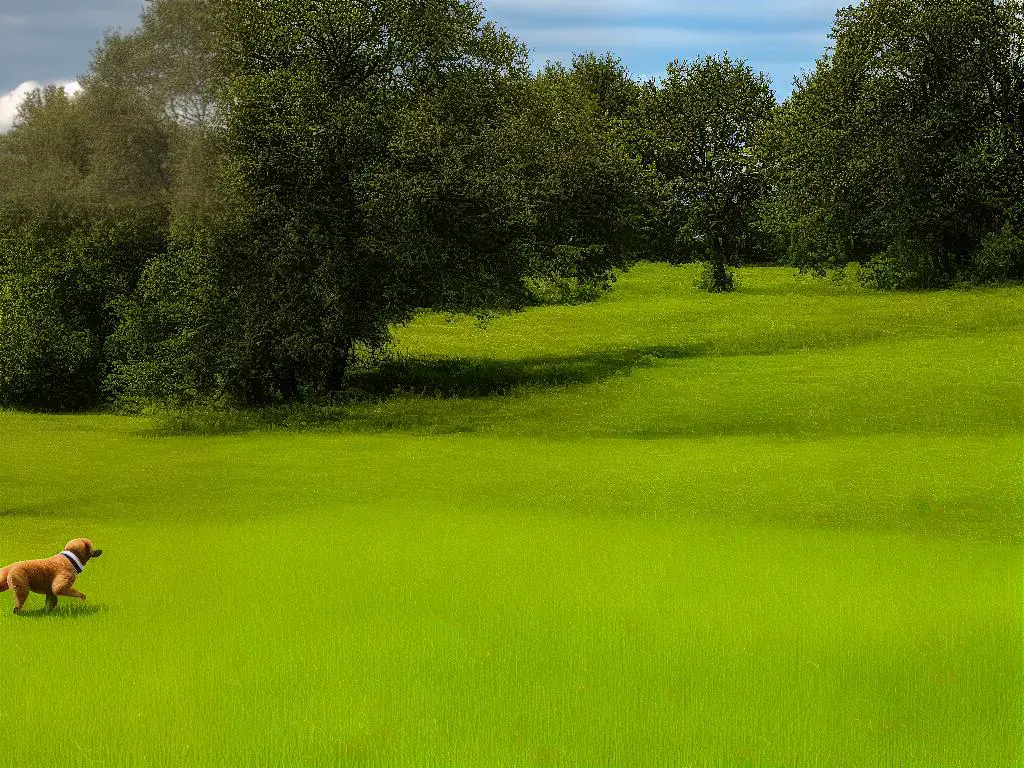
(249, 193)
(904, 148)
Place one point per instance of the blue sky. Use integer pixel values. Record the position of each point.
(778, 38)
(51, 40)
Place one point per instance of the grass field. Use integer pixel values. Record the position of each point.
(783, 527)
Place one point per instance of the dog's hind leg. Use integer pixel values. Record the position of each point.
(19, 588)
(20, 596)
(3, 579)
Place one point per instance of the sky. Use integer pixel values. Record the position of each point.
(50, 41)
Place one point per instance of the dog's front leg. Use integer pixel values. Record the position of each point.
(51, 601)
(64, 588)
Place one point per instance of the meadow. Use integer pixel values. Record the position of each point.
(781, 527)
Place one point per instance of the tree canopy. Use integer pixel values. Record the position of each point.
(902, 149)
(314, 174)
(698, 127)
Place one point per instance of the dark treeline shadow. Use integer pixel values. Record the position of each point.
(469, 378)
(424, 379)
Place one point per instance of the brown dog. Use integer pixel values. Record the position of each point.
(51, 577)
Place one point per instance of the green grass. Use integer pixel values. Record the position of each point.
(777, 528)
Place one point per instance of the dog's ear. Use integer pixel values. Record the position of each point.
(82, 548)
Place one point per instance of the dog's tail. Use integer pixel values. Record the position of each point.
(3, 578)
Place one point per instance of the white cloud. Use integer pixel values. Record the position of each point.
(10, 101)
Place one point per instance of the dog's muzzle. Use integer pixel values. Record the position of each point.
(96, 553)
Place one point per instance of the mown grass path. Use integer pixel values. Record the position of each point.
(778, 528)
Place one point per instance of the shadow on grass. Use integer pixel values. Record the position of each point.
(431, 378)
(467, 378)
(63, 611)
(45, 509)
(39, 509)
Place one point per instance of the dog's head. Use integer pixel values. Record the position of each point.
(82, 549)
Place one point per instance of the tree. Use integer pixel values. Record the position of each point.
(169, 60)
(902, 148)
(82, 206)
(382, 158)
(698, 127)
(604, 77)
(88, 190)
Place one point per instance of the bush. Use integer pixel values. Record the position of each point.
(568, 290)
(55, 293)
(1001, 258)
(715, 278)
(46, 362)
(906, 265)
(166, 340)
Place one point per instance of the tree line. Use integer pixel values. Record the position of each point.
(249, 194)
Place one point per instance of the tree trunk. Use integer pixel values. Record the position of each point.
(336, 373)
(288, 384)
(721, 278)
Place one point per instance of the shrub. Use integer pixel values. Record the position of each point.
(906, 265)
(56, 290)
(1001, 258)
(715, 278)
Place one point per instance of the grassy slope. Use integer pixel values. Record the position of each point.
(776, 528)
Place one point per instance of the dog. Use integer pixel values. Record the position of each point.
(52, 577)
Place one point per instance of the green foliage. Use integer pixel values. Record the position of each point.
(429, 172)
(248, 192)
(901, 150)
(50, 355)
(904, 265)
(716, 277)
(567, 290)
(169, 60)
(167, 336)
(604, 78)
(333, 254)
(82, 190)
(55, 291)
(409, 160)
(594, 199)
(698, 126)
(89, 188)
(1001, 258)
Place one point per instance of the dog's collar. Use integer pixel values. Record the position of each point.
(73, 559)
